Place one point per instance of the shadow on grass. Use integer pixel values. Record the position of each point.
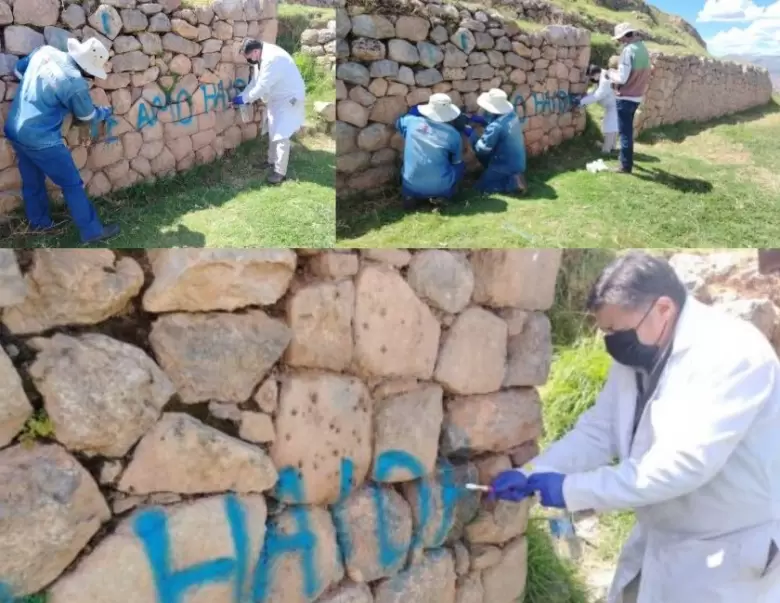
(149, 213)
(669, 180)
(680, 131)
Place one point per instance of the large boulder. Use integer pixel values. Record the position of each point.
(12, 287)
(431, 579)
(491, 422)
(51, 508)
(101, 394)
(396, 335)
(15, 408)
(375, 527)
(202, 280)
(183, 455)
(74, 287)
(218, 356)
(323, 437)
(505, 581)
(442, 278)
(517, 278)
(529, 349)
(221, 536)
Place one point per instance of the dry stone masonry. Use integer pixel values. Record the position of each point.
(267, 425)
(390, 62)
(700, 89)
(172, 72)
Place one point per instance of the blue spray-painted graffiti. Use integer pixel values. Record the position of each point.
(105, 21)
(151, 528)
(216, 97)
(546, 103)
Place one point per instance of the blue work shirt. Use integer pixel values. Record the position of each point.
(501, 149)
(433, 157)
(51, 87)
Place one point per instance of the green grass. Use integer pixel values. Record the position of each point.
(695, 185)
(223, 204)
(294, 19)
(550, 579)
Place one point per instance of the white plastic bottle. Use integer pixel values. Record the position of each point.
(245, 112)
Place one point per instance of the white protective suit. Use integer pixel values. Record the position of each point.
(604, 95)
(277, 82)
(702, 473)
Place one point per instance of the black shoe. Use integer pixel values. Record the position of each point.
(276, 178)
(109, 232)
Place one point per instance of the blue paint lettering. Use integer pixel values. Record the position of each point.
(5, 593)
(105, 21)
(183, 99)
(152, 530)
(146, 117)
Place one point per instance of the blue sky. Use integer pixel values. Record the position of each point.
(731, 26)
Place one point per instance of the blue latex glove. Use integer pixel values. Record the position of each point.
(468, 131)
(576, 102)
(414, 111)
(478, 119)
(550, 488)
(239, 100)
(510, 485)
(103, 113)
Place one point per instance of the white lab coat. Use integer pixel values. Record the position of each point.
(604, 95)
(703, 473)
(278, 83)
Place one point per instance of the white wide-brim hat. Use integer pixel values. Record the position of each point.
(91, 55)
(439, 108)
(622, 30)
(495, 101)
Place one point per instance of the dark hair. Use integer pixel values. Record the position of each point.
(250, 45)
(593, 71)
(634, 281)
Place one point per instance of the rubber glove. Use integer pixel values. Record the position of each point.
(468, 131)
(510, 485)
(478, 119)
(414, 111)
(103, 113)
(239, 100)
(550, 488)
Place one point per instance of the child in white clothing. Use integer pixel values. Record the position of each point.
(604, 96)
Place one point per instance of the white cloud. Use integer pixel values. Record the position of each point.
(736, 10)
(760, 37)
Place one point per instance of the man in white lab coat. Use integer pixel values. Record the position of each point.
(277, 82)
(691, 414)
(604, 96)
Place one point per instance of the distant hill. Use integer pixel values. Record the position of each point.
(770, 63)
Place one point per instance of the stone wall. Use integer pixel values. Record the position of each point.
(172, 73)
(390, 62)
(700, 89)
(267, 425)
(319, 40)
(730, 280)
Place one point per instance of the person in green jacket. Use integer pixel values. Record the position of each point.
(630, 80)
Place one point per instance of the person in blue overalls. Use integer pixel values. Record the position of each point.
(433, 152)
(501, 148)
(53, 84)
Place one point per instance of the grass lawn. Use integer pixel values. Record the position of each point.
(224, 204)
(696, 185)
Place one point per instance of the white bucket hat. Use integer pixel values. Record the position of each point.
(90, 55)
(622, 30)
(495, 101)
(439, 108)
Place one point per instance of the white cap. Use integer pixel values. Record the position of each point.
(495, 101)
(439, 108)
(622, 30)
(90, 55)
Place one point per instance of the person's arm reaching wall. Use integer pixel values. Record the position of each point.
(591, 443)
(690, 448)
(599, 94)
(260, 87)
(21, 66)
(623, 72)
(489, 139)
(78, 101)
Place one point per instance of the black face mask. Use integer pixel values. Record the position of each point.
(624, 346)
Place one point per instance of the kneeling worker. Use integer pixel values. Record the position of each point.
(501, 148)
(53, 84)
(277, 82)
(433, 151)
(691, 412)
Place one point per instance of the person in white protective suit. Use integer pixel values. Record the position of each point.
(686, 432)
(277, 82)
(604, 96)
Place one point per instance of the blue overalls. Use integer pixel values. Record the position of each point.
(51, 87)
(433, 158)
(501, 149)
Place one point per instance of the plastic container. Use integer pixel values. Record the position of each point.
(246, 113)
